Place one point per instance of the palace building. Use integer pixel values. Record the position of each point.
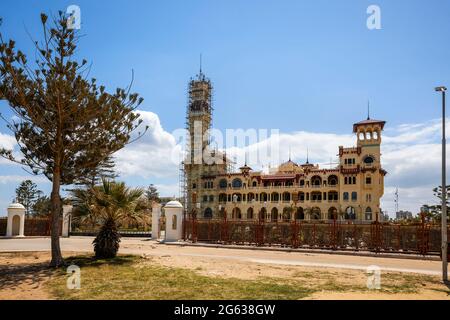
(350, 191)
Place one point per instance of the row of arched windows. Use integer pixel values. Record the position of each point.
(237, 183)
(288, 214)
(285, 196)
(368, 135)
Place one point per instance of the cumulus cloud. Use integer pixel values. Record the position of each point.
(152, 155)
(7, 179)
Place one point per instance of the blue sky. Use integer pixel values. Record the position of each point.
(293, 65)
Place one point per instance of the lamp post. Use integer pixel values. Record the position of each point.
(442, 89)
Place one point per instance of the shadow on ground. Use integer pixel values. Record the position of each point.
(34, 273)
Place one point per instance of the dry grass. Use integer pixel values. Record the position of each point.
(130, 277)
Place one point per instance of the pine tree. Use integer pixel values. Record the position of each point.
(27, 194)
(67, 125)
(105, 170)
(152, 193)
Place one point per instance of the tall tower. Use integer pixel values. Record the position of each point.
(198, 122)
(371, 180)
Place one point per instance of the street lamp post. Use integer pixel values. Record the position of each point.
(442, 89)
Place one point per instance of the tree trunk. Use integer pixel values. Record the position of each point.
(57, 259)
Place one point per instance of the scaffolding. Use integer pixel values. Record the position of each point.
(198, 107)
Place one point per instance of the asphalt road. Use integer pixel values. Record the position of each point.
(150, 247)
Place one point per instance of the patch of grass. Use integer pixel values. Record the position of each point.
(119, 279)
(127, 277)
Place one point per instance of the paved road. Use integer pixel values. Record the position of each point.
(149, 247)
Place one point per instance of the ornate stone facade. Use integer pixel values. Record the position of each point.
(350, 191)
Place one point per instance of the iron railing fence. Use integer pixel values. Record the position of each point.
(33, 226)
(418, 238)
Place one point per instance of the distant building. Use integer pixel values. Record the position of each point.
(384, 216)
(403, 215)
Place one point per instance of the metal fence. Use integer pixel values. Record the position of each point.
(33, 226)
(419, 238)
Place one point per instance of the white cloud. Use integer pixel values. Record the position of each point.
(168, 190)
(6, 179)
(7, 141)
(150, 156)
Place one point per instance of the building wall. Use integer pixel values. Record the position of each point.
(213, 191)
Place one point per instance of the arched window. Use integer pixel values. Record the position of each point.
(194, 185)
(354, 196)
(262, 214)
(223, 184)
(222, 197)
(274, 214)
(316, 181)
(208, 213)
(236, 214)
(254, 183)
(350, 213)
(174, 222)
(361, 136)
(368, 134)
(275, 197)
(237, 183)
(237, 197)
(263, 197)
(286, 196)
(375, 135)
(368, 213)
(315, 213)
(301, 196)
(300, 215)
(250, 213)
(332, 213)
(287, 214)
(332, 180)
(368, 160)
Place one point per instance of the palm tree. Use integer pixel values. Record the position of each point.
(110, 203)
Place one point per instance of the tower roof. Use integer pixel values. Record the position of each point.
(368, 122)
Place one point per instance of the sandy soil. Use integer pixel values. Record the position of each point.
(24, 274)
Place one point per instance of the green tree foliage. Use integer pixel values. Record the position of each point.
(434, 212)
(27, 194)
(152, 194)
(42, 206)
(68, 124)
(109, 203)
(105, 169)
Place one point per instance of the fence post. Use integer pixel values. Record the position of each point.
(156, 213)
(66, 227)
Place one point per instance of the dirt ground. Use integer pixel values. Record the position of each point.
(23, 276)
